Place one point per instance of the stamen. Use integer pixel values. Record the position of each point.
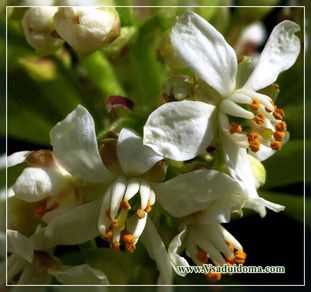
(202, 255)
(275, 145)
(213, 277)
(115, 223)
(259, 119)
(254, 145)
(240, 257)
(115, 245)
(125, 205)
(281, 126)
(279, 114)
(255, 104)
(235, 128)
(252, 135)
(140, 213)
(267, 110)
(278, 135)
(129, 242)
(148, 207)
(107, 235)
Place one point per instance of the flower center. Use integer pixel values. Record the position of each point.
(251, 119)
(124, 211)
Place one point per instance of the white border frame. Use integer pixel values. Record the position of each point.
(178, 285)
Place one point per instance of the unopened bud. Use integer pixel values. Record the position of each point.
(39, 29)
(119, 105)
(87, 29)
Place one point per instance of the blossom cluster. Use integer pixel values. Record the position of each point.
(217, 124)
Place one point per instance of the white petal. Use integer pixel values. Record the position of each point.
(180, 130)
(279, 54)
(75, 147)
(117, 194)
(205, 51)
(17, 158)
(157, 251)
(80, 275)
(134, 157)
(35, 183)
(176, 259)
(20, 245)
(229, 107)
(194, 191)
(262, 202)
(66, 226)
(230, 238)
(136, 225)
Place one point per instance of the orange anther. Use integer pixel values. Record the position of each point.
(140, 213)
(230, 245)
(275, 145)
(255, 104)
(115, 223)
(278, 114)
(259, 119)
(254, 145)
(281, 126)
(240, 257)
(125, 205)
(115, 245)
(252, 135)
(213, 277)
(235, 128)
(278, 135)
(202, 255)
(148, 207)
(129, 242)
(267, 110)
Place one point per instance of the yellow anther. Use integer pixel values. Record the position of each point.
(279, 114)
(259, 119)
(255, 104)
(278, 135)
(275, 145)
(240, 257)
(115, 245)
(235, 128)
(281, 126)
(125, 205)
(115, 223)
(148, 207)
(140, 213)
(213, 277)
(202, 255)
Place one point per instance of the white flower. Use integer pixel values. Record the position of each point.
(182, 130)
(39, 29)
(205, 244)
(87, 29)
(37, 266)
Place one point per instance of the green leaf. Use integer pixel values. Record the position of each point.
(286, 166)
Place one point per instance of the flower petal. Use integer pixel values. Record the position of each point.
(134, 157)
(20, 245)
(194, 191)
(64, 226)
(176, 259)
(205, 51)
(35, 183)
(82, 274)
(157, 251)
(180, 130)
(279, 54)
(17, 158)
(75, 147)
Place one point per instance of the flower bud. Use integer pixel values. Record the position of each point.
(87, 28)
(40, 31)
